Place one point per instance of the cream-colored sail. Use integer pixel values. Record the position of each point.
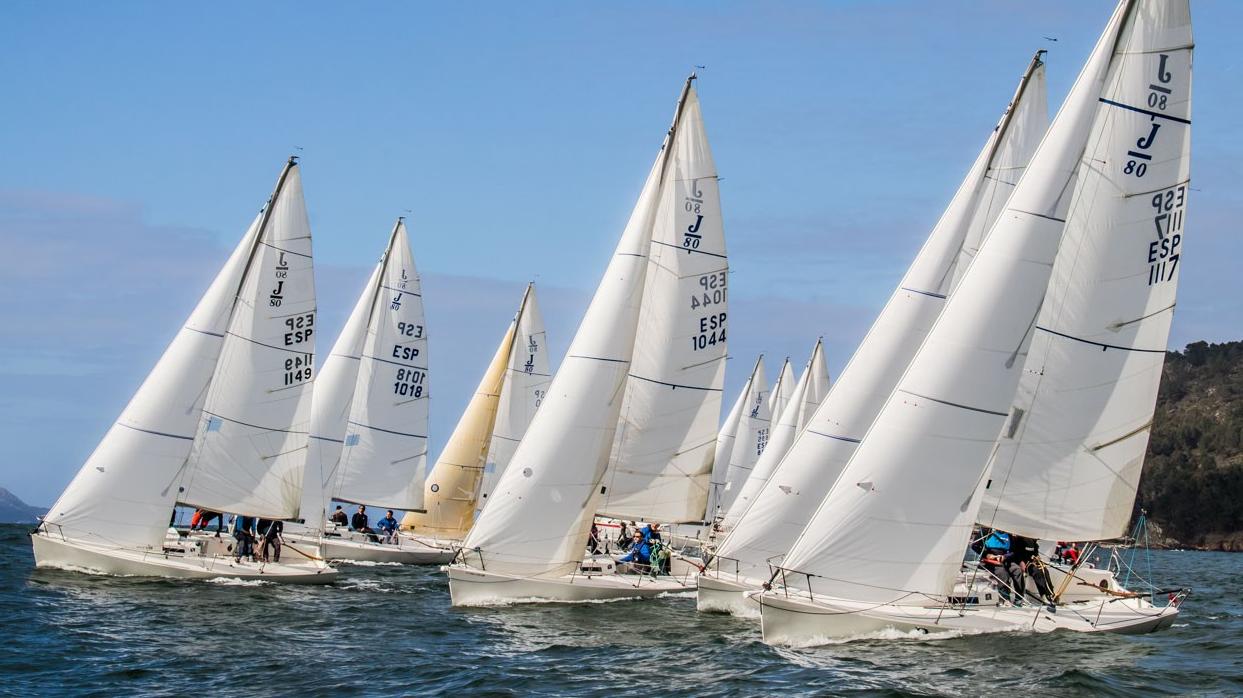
(453, 485)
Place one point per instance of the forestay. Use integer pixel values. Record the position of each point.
(250, 448)
(662, 456)
(895, 525)
(384, 458)
(751, 400)
(537, 520)
(527, 377)
(125, 491)
(803, 477)
(1069, 462)
(810, 391)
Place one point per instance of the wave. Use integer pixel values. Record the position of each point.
(238, 582)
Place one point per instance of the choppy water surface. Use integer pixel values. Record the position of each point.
(389, 629)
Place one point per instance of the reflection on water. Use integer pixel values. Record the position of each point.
(389, 629)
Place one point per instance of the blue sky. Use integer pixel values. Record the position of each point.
(139, 138)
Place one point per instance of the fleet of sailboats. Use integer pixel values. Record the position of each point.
(1009, 383)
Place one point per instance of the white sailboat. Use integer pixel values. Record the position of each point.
(484, 439)
(914, 487)
(219, 423)
(801, 480)
(629, 424)
(369, 418)
(734, 457)
(805, 399)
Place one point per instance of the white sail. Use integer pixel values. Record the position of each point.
(808, 393)
(726, 440)
(250, 447)
(782, 389)
(662, 455)
(802, 479)
(527, 377)
(1068, 465)
(537, 520)
(384, 458)
(125, 491)
(894, 526)
(330, 405)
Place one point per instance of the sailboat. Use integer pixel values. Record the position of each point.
(368, 440)
(629, 424)
(808, 393)
(734, 457)
(484, 439)
(914, 487)
(220, 422)
(801, 480)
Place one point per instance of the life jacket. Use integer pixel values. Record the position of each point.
(997, 540)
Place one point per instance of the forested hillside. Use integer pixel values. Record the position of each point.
(1192, 485)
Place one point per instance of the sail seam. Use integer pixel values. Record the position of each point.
(687, 249)
(1145, 112)
(209, 334)
(402, 290)
(395, 363)
(269, 346)
(847, 439)
(281, 249)
(955, 404)
(157, 433)
(924, 293)
(388, 431)
(675, 385)
(1100, 344)
(598, 358)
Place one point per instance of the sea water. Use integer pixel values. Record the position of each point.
(384, 629)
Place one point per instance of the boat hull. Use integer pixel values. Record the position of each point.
(473, 587)
(409, 552)
(56, 553)
(716, 595)
(803, 622)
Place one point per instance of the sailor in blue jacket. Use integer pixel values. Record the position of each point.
(388, 526)
(640, 552)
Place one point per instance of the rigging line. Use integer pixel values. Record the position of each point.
(1102, 345)
(598, 358)
(955, 404)
(1038, 215)
(687, 249)
(326, 438)
(1146, 112)
(1124, 437)
(1120, 325)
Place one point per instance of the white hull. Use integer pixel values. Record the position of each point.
(473, 587)
(802, 622)
(407, 551)
(716, 595)
(58, 553)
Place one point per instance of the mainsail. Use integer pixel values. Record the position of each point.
(250, 447)
(802, 479)
(662, 455)
(537, 521)
(1068, 465)
(894, 526)
(125, 491)
(384, 456)
(743, 418)
(810, 391)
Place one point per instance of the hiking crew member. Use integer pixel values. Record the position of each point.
(993, 558)
(339, 518)
(358, 522)
(388, 525)
(640, 554)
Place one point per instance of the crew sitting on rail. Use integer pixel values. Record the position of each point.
(1023, 560)
(993, 558)
(358, 522)
(1066, 553)
(388, 526)
(202, 517)
(640, 554)
(338, 517)
(651, 532)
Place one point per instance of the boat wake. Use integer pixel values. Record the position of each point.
(238, 582)
(503, 603)
(368, 563)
